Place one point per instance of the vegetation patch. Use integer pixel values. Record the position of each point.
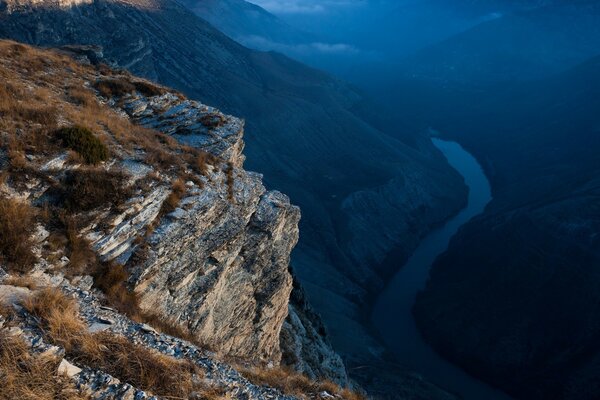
(17, 223)
(144, 368)
(85, 143)
(148, 89)
(212, 120)
(114, 87)
(28, 377)
(178, 190)
(293, 383)
(86, 189)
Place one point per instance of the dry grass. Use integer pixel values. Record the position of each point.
(230, 182)
(178, 190)
(27, 377)
(142, 367)
(212, 120)
(16, 227)
(23, 281)
(111, 279)
(59, 317)
(86, 189)
(82, 258)
(293, 383)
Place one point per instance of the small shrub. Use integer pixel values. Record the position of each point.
(17, 222)
(84, 142)
(172, 201)
(212, 120)
(148, 89)
(114, 87)
(86, 189)
(111, 279)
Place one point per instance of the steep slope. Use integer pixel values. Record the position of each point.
(515, 299)
(97, 190)
(302, 132)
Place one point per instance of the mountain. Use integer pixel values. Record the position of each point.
(353, 41)
(529, 43)
(313, 136)
(514, 300)
(249, 24)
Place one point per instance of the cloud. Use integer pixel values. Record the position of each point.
(262, 43)
(304, 6)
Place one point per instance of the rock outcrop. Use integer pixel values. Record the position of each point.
(205, 244)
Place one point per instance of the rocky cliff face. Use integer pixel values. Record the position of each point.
(205, 245)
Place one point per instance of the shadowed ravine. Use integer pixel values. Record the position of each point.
(392, 314)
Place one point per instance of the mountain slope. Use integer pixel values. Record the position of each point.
(112, 230)
(515, 299)
(302, 131)
(248, 23)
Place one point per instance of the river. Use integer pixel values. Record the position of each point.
(392, 314)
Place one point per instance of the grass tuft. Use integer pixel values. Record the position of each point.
(16, 227)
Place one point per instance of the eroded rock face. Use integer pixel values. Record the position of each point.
(221, 268)
(305, 345)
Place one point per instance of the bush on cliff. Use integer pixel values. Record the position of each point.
(89, 188)
(85, 143)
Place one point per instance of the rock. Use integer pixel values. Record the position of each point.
(98, 327)
(12, 294)
(147, 328)
(68, 369)
(84, 282)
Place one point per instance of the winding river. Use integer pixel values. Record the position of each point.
(392, 314)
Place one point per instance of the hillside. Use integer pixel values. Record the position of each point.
(362, 193)
(526, 271)
(249, 24)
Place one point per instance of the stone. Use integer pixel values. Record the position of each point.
(68, 369)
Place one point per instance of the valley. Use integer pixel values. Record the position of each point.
(392, 314)
(409, 268)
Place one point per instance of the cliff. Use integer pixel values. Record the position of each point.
(121, 192)
(306, 131)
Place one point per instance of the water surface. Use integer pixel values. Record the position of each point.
(392, 315)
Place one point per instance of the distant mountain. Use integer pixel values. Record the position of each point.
(248, 23)
(314, 137)
(515, 299)
(529, 43)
